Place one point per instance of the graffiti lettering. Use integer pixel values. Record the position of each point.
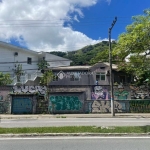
(65, 103)
(102, 106)
(29, 89)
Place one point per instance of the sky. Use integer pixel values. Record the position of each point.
(64, 25)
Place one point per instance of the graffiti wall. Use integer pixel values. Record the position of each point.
(102, 106)
(29, 89)
(65, 103)
(100, 93)
(140, 92)
(120, 92)
(5, 100)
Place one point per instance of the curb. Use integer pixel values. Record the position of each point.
(74, 134)
(71, 116)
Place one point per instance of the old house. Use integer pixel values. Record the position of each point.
(73, 85)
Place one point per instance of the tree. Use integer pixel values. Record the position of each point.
(18, 71)
(5, 79)
(46, 78)
(43, 65)
(136, 43)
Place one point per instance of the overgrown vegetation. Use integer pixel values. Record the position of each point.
(135, 42)
(5, 79)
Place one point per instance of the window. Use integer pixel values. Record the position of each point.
(100, 76)
(102, 67)
(29, 60)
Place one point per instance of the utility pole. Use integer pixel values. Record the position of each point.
(110, 64)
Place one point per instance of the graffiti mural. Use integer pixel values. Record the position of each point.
(29, 89)
(102, 106)
(100, 93)
(141, 92)
(59, 103)
(120, 93)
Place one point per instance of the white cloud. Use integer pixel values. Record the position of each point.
(40, 23)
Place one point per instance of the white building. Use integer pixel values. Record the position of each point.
(11, 56)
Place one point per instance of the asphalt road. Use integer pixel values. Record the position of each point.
(74, 122)
(77, 143)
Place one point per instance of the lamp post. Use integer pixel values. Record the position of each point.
(110, 64)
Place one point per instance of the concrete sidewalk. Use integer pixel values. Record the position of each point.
(117, 115)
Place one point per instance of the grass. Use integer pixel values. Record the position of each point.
(76, 129)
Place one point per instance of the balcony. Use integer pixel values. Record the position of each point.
(26, 77)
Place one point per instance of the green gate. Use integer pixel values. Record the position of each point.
(22, 105)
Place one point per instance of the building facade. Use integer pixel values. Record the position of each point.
(12, 56)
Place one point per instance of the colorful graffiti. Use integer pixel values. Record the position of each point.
(29, 89)
(121, 93)
(59, 103)
(141, 92)
(102, 106)
(100, 93)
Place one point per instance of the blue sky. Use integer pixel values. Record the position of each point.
(103, 14)
(64, 25)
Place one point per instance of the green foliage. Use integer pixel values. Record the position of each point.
(135, 41)
(18, 71)
(5, 79)
(77, 129)
(89, 54)
(42, 65)
(46, 78)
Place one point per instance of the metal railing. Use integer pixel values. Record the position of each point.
(26, 77)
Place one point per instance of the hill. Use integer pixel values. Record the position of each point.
(88, 55)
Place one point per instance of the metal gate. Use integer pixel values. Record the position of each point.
(22, 105)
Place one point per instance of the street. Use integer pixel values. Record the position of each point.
(49, 122)
(76, 143)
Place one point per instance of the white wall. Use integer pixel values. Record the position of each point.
(7, 55)
(56, 61)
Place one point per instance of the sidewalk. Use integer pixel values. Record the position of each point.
(117, 115)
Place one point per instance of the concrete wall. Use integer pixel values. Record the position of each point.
(5, 100)
(120, 106)
(7, 55)
(79, 99)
